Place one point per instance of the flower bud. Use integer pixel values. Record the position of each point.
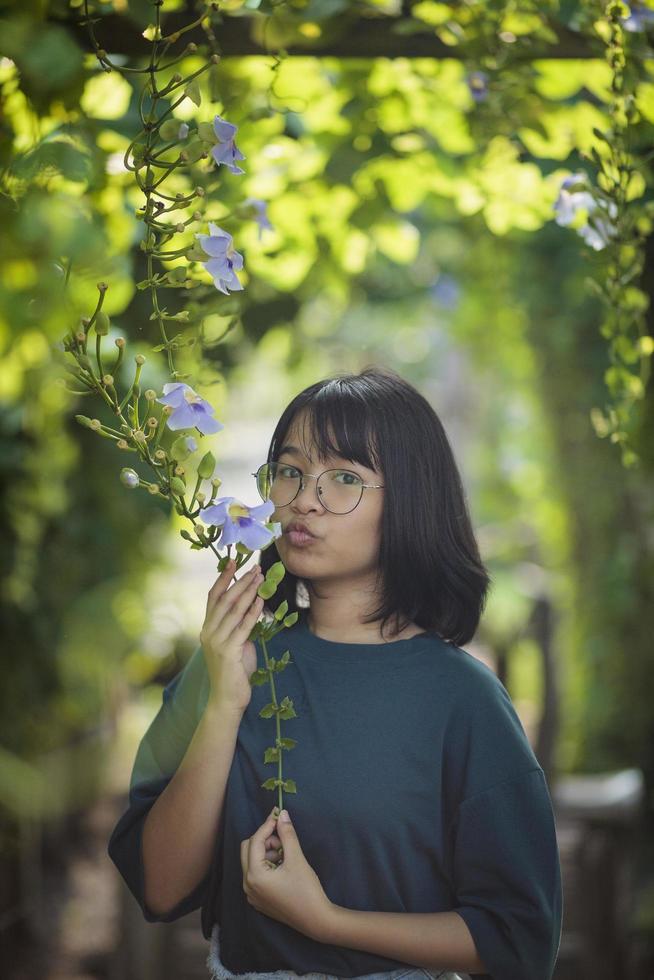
(107, 379)
(119, 342)
(199, 529)
(199, 192)
(197, 216)
(180, 227)
(150, 394)
(153, 489)
(101, 54)
(192, 47)
(179, 471)
(139, 359)
(152, 422)
(95, 424)
(138, 436)
(200, 497)
(214, 59)
(183, 156)
(216, 483)
(102, 286)
(81, 336)
(122, 444)
(177, 77)
(82, 419)
(129, 478)
(160, 454)
(173, 37)
(168, 409)
(177, 486)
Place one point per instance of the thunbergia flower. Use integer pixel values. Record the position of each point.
(224, 261)
(639, 18)
(478, 85)
(226, 151)
(260, 213)
(240, 523)
(191, 410)
(574, 197)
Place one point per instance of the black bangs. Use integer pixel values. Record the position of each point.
(334, 408)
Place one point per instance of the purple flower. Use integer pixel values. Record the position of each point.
(191, 411)
(241, 523)
(639, 18)
(225, 151)
(478, 85)
(575, 196)
(260, 215)
(224, 262)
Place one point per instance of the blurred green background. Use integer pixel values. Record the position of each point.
(412, 227)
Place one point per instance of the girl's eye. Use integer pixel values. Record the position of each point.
(349, 479)
(287, 471)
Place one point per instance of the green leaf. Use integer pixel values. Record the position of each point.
(195, 151)
(288, 743)
(192, 91)
(269, 784)
(206, 132)
(289, 786)
(258, 678)
(169, 129)
(266, 590)
(291, 619)
(286, 713)
(275, 573)
(271, 755)
(267, 711)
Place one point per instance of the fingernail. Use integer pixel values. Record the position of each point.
(284, 817)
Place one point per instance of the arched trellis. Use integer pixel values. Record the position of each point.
(493, 41)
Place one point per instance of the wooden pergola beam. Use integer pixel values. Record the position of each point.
(359, 38)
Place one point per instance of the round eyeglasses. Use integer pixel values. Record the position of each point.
(339, 491)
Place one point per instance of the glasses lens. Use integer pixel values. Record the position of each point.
(339, 490)
(278, 482)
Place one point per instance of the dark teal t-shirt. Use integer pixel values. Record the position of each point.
(417, 791)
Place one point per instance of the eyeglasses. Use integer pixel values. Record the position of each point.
(339, 491)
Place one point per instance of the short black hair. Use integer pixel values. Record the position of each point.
(431, 572)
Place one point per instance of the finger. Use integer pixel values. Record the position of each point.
(244, 857)
(244, 628)
(233, 619)
(220, 585)
(273, 841)
(224, 614)
(257, 845)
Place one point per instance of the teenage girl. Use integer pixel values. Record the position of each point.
(421, 839)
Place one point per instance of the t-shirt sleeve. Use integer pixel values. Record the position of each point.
(159, 754)
(507, 877)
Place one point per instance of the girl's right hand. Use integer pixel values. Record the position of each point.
(231, 658)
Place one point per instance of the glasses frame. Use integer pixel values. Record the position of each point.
(303, 476)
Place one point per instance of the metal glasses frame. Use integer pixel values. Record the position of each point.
(303, 475)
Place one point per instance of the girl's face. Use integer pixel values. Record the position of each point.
(345, 546)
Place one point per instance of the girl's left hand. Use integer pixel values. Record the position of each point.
(290, 892)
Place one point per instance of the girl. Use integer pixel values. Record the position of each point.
(422, 838)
